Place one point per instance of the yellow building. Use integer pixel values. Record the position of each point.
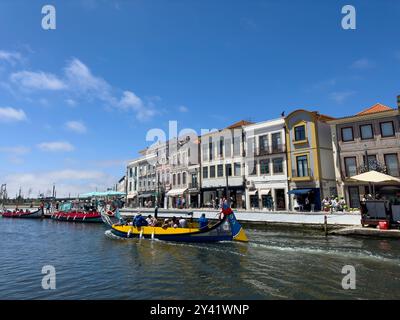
(311, 173)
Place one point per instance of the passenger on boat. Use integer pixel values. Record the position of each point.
(203, 222)
(152, 221)
(140, 221)
(182, 223)
(175, 222)
(166, 223)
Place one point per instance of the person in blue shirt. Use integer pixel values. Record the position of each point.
(203, 221)
(140, 221)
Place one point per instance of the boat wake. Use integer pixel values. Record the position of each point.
(345, 252)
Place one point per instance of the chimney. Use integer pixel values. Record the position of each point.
(398, 102)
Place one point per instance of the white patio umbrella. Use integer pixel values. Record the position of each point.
(375, 177)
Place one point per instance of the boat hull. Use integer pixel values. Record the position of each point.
(77, 217)
(23, 215)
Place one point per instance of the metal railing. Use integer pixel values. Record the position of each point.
(302, 173)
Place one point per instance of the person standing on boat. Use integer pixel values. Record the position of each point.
(203, 222)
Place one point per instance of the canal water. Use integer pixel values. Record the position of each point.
(276, 264)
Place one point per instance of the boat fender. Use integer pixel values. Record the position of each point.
(141, 234)
(129, 233)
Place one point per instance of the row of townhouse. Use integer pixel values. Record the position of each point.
(288, 163)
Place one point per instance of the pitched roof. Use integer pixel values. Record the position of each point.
(374, 109)
(238, 124)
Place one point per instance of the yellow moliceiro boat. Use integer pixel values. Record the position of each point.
(227, 229)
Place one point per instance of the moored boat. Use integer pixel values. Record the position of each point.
(37, 213)
(226, 229)
(77, 216)
(76, 212)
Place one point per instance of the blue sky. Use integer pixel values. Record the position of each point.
(77, 102)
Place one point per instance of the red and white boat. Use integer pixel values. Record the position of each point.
(77, 216)
(20, 213)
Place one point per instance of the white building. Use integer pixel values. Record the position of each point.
(141, 181)
(266, 170)
(223, 167)
(183, 157)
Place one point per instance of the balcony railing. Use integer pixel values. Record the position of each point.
(275, 148)
(306, 173)
(193, 185)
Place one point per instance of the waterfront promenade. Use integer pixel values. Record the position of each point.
(261, 217)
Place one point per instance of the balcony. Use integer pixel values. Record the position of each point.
(278, 148)
(302, 175)
(274, 149)
(193, 185)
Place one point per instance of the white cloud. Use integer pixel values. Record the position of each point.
(14, 154)
(183, 109)
(79, 82)
(362, 64)
(67, 181)
(131, 101)
(82, 81)
(71, 102)
(37, 80)
(76, 126)
(16, 150)
(56, 146)
(10, 57)
(340, 97)
(8, 114)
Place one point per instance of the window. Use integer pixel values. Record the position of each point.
(220, 170)
(302, 166)
(371, 160)
(205, 152)
(174, 179)
(392, 164)
(252, 166)
(210, 148)
(300, 133)
(277, 165)
(228, 170)
(205, 172)
(387, 129)
(276, 142)
(354, 197)
(264, 166)
(184, 178)
(263, 142)
(179, 179)
(130, 172)
(236, 146)
(228, 148)
(130, 186)
(350, 165)
(236, 169)
(366, 131)
(212, 171)
(251, 144)
(221, 147)
(347, 134)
